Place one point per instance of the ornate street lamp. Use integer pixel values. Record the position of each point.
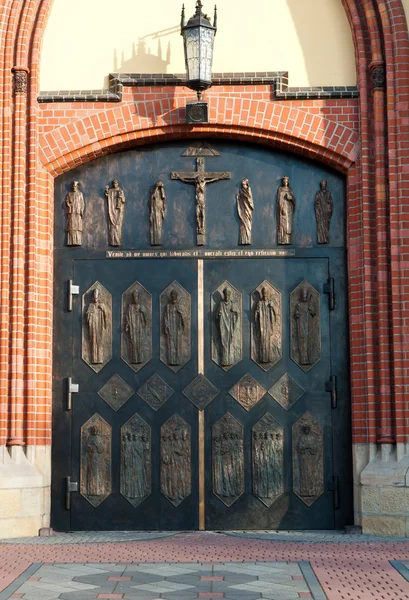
(198, 40)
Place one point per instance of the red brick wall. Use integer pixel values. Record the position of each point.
(367, 139)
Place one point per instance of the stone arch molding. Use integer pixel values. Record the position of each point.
(275, 124)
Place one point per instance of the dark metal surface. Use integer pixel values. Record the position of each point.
(116, 392)
(245, 208)
(257, 326)
(157, 213)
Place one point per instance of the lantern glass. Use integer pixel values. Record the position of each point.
(199, 55)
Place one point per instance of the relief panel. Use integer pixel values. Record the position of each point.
(228, 459)
(75, 206)
(135, 460)
(286, 391)
(247, 391)
(136, 337)
(115, 198)
(116, 392)
(201, 391)
(268, 460)
(266, 326)
(97, 327)
(95, 470)
(324, 207)
(155, 392)
(305, 326)
(175, 460)
(308, 459)
(226, 309)
(175, 314)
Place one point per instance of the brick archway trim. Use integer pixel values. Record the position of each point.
(260, 121)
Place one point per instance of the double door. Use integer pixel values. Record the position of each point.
(202, 396)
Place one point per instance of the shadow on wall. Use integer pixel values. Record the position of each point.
(317, 38)
(143, 59)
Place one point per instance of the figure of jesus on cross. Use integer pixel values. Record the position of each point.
(200, 178)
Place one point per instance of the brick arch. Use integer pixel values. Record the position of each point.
(282, 126)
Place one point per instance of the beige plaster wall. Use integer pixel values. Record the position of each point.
(406, 7)
(86, 40)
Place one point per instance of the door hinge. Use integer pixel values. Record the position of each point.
(70, 487)
(333, 486)
(329, 288)
(72, 388)
(73, 290)
(331, 387)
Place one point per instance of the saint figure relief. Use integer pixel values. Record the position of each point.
(323, 212)
(75, 205)
(304, 314)
(135, 326)
(308, 450)
(265, 317)
(116, 207)
(157, 213)
(245, 208)
(285, 212)
(97, 321)
(227, 318)
(174, 325)
(95, 463)
(135, 448)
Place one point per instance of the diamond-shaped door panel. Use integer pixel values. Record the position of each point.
(175, 325)
(266, 325)
(175, 460)
(155, 392)
(247, 391)
(136, 483)
(305, 326)
(136, 336)
(308, 459)
(226, 309)
(228, 459)
(95, 469)
(201, 392)
(286, 391)
(116, 392)
(96, 327)
(268, 459)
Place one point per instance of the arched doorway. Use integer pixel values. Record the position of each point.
(208, 341)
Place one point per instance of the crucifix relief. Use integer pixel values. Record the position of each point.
(199, 179)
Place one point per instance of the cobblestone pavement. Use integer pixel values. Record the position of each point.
(252, 565)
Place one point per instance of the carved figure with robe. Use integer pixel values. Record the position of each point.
(304, 312)
(265, 317)
(75, 205)
(96, 318)
(136, 326)
(308, 450)
(227, 318)
(285, 212)
(323, 212)
(245, 208)
(174, 325)
(157, 213)
(95, 463)
(116, 207)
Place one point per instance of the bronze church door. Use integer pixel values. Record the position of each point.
(200, 358)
